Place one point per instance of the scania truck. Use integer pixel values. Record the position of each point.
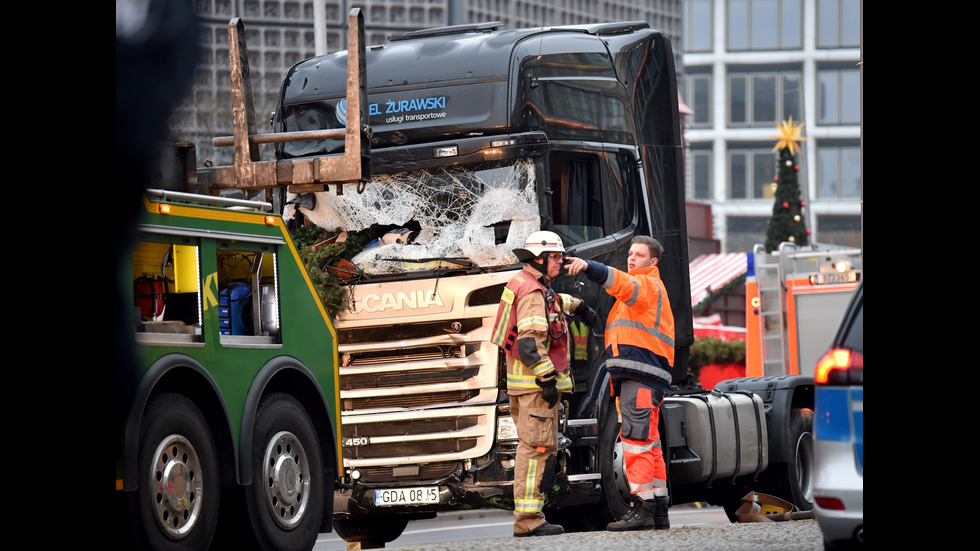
(480, 135)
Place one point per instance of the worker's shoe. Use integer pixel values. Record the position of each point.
(636, 518)
(660, 520)
(544, 529)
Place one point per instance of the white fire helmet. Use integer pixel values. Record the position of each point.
(537, 243)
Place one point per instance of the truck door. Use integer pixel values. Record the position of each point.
(592, 212)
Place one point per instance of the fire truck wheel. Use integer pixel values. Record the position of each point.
(176, 506)
(284, 503)
(373, 529)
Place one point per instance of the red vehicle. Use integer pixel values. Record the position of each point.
(794, 300)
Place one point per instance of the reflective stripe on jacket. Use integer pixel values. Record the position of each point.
(580, 336)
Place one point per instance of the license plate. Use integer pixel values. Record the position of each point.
(406, 496)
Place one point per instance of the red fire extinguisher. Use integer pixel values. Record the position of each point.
(151, 292)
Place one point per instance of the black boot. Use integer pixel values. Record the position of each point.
(660, 520)
(636, 518)
(543, 529)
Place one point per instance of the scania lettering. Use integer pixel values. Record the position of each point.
(399, 301)
(573, 129)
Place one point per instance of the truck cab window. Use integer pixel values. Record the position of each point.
(624, 201)
(576, 199)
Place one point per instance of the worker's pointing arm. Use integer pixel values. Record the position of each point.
(597, 272)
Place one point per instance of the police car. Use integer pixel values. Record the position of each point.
(838, 429)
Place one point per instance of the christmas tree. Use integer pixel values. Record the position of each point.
(787, 223)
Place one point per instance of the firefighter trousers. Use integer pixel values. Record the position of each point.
(537, 434)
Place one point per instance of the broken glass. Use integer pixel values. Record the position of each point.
(472, 215)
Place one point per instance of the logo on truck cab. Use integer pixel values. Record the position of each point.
(401, 110)
(411, 300)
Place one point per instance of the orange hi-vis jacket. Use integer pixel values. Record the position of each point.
(640, 327)
(522, 331)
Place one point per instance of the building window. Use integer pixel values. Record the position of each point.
(764, 24)
(752, 173)
(839, 230)
(744, 232)
(700, 174)
(839, 96)
(838, 23)
(839, 171)
(699, 94)
(698, 25)
(760, 99)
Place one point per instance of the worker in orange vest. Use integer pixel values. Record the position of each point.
(639, 342)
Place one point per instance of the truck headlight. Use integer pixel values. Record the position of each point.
(506, 429)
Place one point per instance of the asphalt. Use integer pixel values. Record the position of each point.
(795, 535)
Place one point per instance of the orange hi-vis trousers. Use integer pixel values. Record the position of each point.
(646, 470)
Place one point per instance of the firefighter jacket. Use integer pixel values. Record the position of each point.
(640, 327)
(531, 328)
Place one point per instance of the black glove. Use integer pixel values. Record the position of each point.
(586, 314)
(549, 391)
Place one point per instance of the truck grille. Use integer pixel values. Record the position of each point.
(412, 449)
(400, 379)
(410, 426)
(409, 400)
(424, 472)
(419, 387)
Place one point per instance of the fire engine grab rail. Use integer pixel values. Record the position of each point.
(166, 195)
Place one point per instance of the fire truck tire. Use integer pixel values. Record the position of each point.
(373, 529)
(793, 480)
(285, 501)
(176, 505)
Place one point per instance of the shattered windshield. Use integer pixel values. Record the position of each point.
(472, 215)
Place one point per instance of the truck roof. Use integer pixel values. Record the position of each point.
(574, 82)
(458, 52)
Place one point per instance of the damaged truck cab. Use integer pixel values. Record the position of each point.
(480, 136)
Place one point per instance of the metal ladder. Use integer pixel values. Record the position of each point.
(771, 299)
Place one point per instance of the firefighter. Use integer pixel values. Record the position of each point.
(639, 355)
(531, 328)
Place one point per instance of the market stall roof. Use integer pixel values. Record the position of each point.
(711, 326)
(711, 272)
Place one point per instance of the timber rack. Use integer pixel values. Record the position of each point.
(309, 174)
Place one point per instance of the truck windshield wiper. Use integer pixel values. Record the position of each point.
(460, 261)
